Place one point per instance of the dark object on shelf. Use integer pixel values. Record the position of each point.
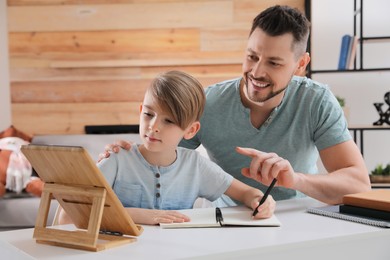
(384, 116)
(111, 129)
(365, 212)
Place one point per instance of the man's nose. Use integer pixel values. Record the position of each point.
(258, 70)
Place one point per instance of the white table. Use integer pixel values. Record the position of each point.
(301, 236)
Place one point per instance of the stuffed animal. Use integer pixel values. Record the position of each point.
(16, 173)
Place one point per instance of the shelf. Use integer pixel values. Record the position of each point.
(349, 71)
(375, 38)
(357, 31)
(361, 128)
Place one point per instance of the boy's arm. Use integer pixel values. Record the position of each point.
(251, 198)
(156, 216)
(139, 216)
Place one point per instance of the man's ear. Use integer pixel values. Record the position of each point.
(192, 130)
(303, 61)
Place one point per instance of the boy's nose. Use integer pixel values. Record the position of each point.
(154, 126)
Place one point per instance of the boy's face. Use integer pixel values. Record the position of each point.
(157, 130)
(268, 66)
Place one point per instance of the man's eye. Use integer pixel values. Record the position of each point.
(252, 57)
(275, 64)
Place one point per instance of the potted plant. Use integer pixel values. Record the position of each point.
(341, 101)
(380, 174)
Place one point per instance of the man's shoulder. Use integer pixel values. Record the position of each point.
(308, 83)
(306, 87)
(220, 87)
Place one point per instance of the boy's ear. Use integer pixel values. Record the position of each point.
(140, 108)
(192, 130)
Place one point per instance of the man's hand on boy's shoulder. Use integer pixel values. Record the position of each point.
(114, 148)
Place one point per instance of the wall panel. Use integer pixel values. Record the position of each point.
(87, 62)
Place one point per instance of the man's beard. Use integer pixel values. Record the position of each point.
(261, 100)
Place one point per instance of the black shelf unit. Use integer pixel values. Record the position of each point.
(358, 16)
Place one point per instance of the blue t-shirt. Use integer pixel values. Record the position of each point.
(308, 119)
(142, 185)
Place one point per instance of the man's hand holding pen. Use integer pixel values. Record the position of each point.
(268, 169)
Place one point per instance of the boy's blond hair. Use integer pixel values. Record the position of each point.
(180, 95)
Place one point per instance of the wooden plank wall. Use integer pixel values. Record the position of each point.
(87, 62)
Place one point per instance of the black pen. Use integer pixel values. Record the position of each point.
(267, 192)
(218, 215)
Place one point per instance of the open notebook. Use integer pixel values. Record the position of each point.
(217, 217)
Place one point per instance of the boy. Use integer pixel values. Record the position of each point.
(157, 177)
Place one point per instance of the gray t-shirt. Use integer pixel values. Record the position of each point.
(308, 119)
(142, 185)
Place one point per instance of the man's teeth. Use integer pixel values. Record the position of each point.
(260, 85)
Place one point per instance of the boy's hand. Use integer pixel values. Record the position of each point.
(156, 216)
(167, 216)
(114, 148)
(266, 210)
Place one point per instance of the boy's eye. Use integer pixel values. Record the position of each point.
(148, 114)
(169, 121)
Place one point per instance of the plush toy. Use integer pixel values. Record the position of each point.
(16, 173)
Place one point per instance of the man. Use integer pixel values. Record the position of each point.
(283, 121)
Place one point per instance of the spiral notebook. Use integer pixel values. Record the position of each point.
(334, 212)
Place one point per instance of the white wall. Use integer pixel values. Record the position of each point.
(330, 20)
(5, 100)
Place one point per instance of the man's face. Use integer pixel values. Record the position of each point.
(268, 66)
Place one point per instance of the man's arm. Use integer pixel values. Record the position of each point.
(347, 173)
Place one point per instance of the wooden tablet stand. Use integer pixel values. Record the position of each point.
(86, 240)
(74, 180)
